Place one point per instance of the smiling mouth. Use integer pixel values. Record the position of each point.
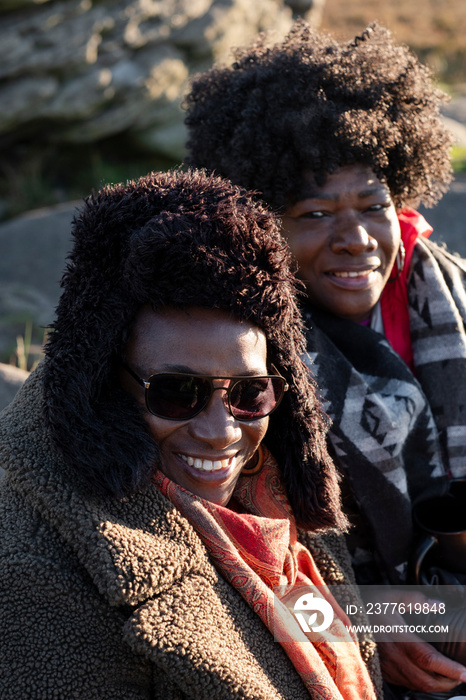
(353, 280)
(352, 274)
(207, 465)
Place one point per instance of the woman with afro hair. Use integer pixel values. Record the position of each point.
(167, 483)
(342, 139)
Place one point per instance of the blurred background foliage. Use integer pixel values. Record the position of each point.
(434, 29)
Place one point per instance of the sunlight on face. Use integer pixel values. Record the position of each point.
(206, 342)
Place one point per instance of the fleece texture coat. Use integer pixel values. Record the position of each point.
(106, 599)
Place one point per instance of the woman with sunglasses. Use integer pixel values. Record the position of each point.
(166, 469)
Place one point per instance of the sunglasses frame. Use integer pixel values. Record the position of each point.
(145, 383)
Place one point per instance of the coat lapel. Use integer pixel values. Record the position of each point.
(202, 634)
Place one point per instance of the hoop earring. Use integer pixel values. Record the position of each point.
(255, 469)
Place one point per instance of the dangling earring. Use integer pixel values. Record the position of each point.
(255, 469)
(400, 257)
(400, 261)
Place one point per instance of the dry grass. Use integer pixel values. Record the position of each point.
(434, 29)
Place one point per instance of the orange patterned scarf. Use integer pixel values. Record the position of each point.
(254, 545)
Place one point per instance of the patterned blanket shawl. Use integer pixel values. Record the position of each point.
(396, 438)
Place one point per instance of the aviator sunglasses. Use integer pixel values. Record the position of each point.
(177, 396)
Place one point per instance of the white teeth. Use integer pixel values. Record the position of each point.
(206, 465)
(364, 273)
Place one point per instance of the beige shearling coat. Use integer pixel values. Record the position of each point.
(107, 599)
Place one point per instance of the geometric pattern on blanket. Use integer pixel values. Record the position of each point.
(437, 310)
(395, 437)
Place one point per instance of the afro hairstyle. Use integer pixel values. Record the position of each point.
(314, 104)
(176, 239)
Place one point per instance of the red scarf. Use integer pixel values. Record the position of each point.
(254, 545)
(394, 299)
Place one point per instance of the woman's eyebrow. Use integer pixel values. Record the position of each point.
(184, 369)
(179, 369)
(322, 195)
(371, 191)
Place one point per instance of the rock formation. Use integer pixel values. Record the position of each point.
(78, 71)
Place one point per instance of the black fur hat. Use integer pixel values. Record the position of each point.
(176, 239)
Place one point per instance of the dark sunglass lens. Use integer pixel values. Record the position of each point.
(255, 398)
(177, 397)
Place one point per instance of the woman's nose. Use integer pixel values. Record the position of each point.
(351, 236)
(215, 425)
